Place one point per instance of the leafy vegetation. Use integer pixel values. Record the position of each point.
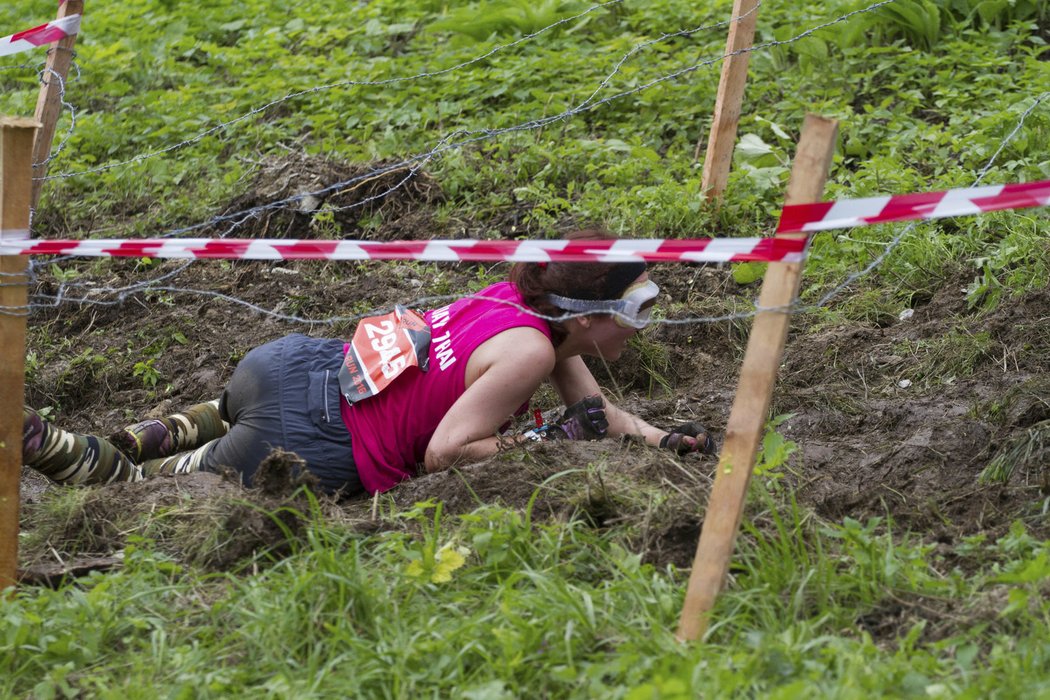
(179, 106)
(549, 610)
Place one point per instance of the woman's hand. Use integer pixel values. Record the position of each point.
(689, 437)
(574, 383)
(584, 420)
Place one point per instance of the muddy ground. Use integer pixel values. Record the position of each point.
(896, 416)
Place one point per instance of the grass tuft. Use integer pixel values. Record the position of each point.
(1030, 448)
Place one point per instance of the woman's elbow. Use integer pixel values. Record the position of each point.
(451, 451)
(437, 459)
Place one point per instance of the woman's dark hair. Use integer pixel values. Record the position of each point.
(576, 280)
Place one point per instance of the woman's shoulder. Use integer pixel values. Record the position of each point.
(500, 294)
(500, 290)
(525, 345)
(522, 341)
(501, 304)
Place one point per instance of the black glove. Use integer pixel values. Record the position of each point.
(584, 420)
(689, 437)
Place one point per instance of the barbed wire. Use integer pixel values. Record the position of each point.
(24, 66)
(350, 83)
(446, 143)
(332, 86)
(604, 83)
(65, 105)
(23, 279)
(469, 137)
(41, 69)
(123, 293)
(896, 240)
(419, 302)
(796, 307)
(416, 162)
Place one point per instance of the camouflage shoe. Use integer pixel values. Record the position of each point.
(179, 432)
(32, 433)
(145, 440)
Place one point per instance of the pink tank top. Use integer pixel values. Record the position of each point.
(391, 431)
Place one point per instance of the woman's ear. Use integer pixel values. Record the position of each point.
(574, 326)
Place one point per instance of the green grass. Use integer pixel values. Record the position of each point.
(547, 611)
(925, 99)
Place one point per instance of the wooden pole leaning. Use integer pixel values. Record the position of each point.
(16, 177)
(758, 373)
(719, 157)
(49, 103)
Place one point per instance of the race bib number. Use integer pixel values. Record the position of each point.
(383, 347)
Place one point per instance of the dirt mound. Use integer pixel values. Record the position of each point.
(897, 416)
(209, 520)
(903, 419)
(379, 201)
(204, 519)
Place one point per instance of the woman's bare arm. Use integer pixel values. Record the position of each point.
(573, 381)
(502, 374)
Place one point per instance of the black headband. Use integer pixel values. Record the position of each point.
(617, 280)
(620, 277)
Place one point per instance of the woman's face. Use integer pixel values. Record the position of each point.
(609, 338)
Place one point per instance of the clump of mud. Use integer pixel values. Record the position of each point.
(282, 474)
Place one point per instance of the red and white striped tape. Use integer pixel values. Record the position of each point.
(849, 213)
(779, 249)
(40, 36)
(798, 218)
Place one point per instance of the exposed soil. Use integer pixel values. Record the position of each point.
(896, 418)
(394, 196)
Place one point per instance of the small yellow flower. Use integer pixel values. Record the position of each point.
(414, 568)
(448, 560)
(440, 568)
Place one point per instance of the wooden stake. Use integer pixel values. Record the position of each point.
(49, 103)
(754, 393)
(720, 144)
(16, 172)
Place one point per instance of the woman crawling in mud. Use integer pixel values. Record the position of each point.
(408, 395)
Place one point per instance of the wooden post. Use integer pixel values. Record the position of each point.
(754, 393)
(720, 143)
(49, 103)
(16, 172)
